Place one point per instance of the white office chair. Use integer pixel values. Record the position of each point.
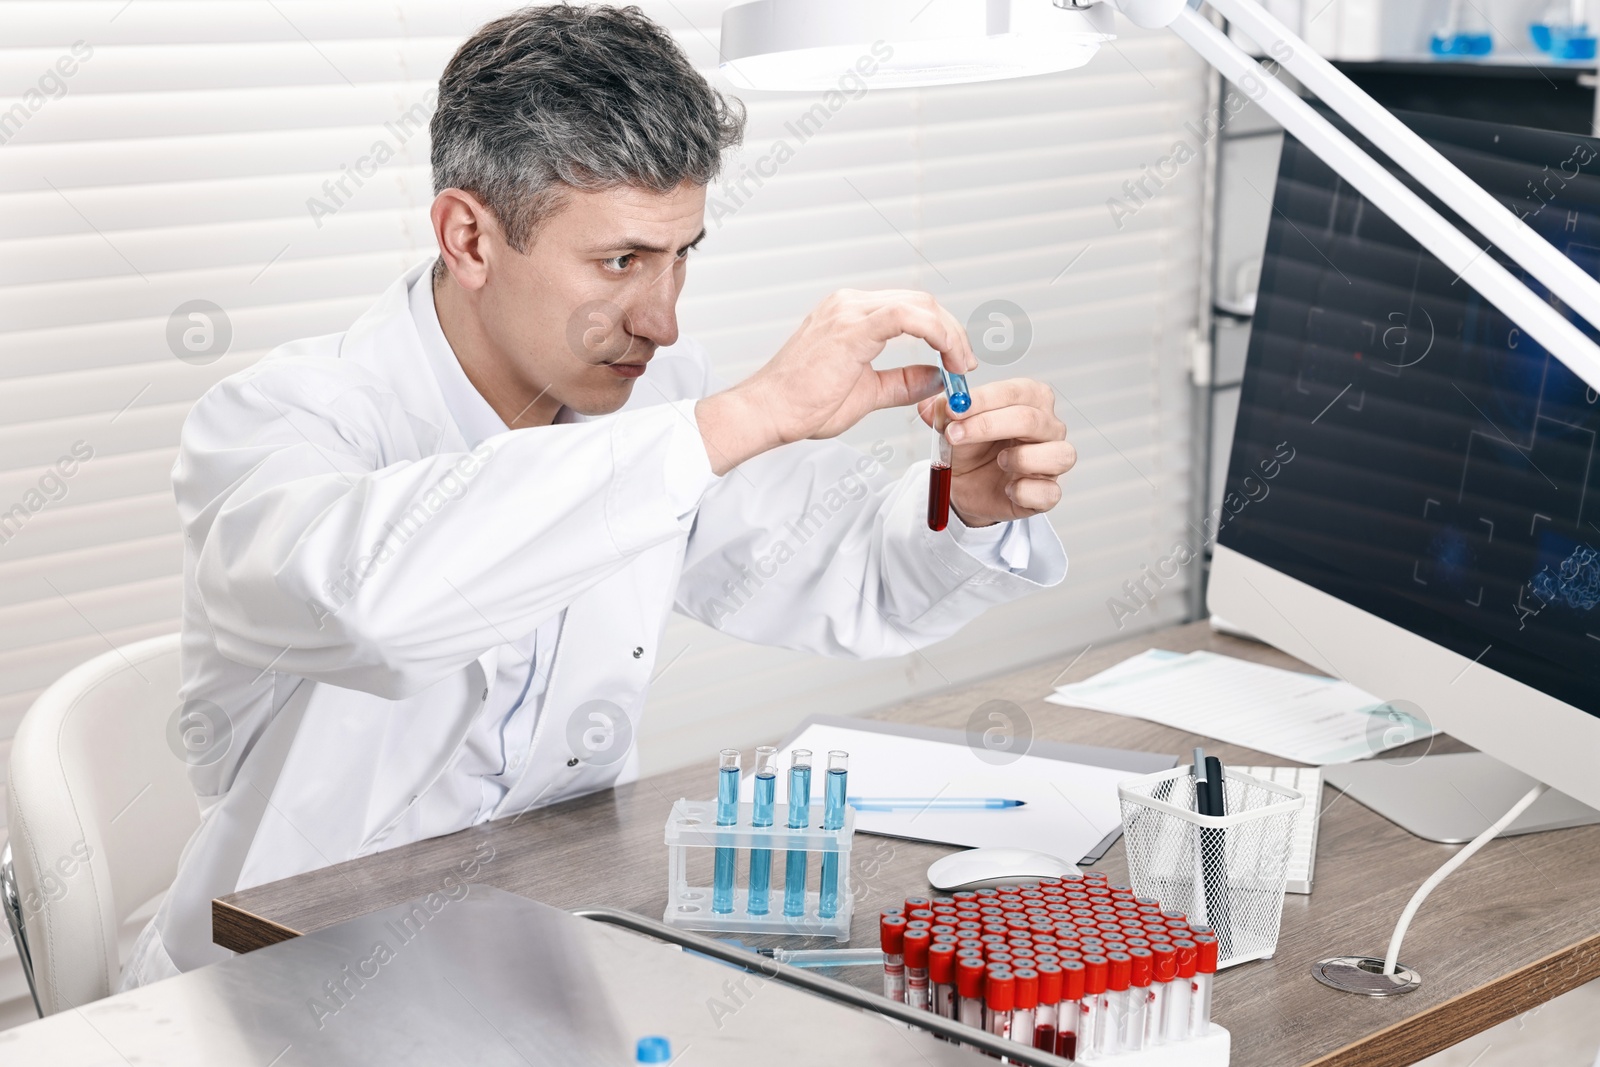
(100, 809)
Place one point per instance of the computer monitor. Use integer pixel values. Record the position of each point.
(1431, 531)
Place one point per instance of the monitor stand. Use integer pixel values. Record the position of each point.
(1454, 797)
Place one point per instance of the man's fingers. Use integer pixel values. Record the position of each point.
(907, 385)
(1034, 494)
(1010, 393)
(1016, 422)
(920, 315)
(1047, 459)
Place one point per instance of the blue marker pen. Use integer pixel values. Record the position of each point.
(794, 870)
(766, 785)
(956, 391)
(832, 819)
(727, 815)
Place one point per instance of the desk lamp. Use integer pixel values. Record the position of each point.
(807, 45)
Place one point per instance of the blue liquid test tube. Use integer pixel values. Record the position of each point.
(794, 865)
(956, 391)
(832, 819)
(727, 815)
(766, 786)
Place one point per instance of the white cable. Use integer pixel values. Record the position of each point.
(1450, 865)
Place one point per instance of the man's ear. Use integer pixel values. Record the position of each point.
(464, 228)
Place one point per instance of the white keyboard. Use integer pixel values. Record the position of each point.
(1303, 853)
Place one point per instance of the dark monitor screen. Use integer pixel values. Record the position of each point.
(1401, 444)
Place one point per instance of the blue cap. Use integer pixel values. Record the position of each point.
(654, 1050)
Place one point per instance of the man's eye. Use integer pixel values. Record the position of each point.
(619, 263)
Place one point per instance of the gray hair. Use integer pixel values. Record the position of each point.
(565, 96)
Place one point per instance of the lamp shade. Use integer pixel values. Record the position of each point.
(808, 45)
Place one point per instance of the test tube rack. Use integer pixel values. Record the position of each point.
(693, 825)
(1212, 1049)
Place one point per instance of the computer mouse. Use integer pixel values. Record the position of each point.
(981, 868)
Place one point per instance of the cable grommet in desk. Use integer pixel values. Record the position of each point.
(1363, 975)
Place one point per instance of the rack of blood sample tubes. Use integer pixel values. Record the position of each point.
(798, 837)
(1078, 967)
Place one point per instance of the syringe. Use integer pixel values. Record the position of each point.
(766, 786)
(826, 957)
(794, 869)
(832, 819)
(727, 815)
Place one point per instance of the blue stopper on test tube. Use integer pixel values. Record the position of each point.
(832, 819)
(766, 787)
(727, 815)
(794, 869)
(653, 1050)
(956, 391)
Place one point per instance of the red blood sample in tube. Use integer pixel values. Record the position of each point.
(938, 497)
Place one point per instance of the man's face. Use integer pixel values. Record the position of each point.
(581, 313)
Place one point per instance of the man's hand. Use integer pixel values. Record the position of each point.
(822, 381)
(1007, 451)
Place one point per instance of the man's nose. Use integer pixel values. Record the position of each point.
(654, 311)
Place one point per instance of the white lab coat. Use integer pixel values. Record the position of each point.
(353, 574)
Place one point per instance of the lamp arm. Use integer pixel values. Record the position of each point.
(1417, 157)
(1499, 286)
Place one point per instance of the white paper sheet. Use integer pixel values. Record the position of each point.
(1300, 717)
(1069, 806)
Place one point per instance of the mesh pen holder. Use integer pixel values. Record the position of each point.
(693, 835)
(1227, 871)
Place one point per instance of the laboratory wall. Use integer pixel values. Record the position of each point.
(265, 167)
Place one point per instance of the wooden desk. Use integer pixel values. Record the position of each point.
(1517, 926)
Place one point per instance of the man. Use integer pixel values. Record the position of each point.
(428, 561)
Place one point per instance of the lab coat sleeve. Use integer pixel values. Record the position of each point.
(814, 546)
(318, 557)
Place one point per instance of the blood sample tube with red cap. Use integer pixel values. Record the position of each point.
(1205, 967)
(1025, 1006)
(1091, 1011)
(1114, 1002)
(916, 960)
(1051, 980)
(1070, 1017)
(941, 980)
(1163, 969)
(892, 936)
(1140, 976)
(969, 993)
(1181, 995)
(999, 995)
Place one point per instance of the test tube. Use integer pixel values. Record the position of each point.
(1044, 1021)
(939, 472)
(727, 815)
(891, 936)
(969, 991)
(766, 787)
(917, 943)
(832, 819)
(1025, 1005)
(999, 994)
(794, 864)
(1180, 997)
(1163, 971)
(942, 980)
(1205, 968)
(1114, 1002)
(956, 391)
(1070, 1017)
(1139, 979)
(1092, 1007)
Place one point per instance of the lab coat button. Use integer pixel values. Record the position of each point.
(638, 652)
(573, 762)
